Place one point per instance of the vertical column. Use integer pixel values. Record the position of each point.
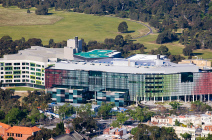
(208, 97)
(185, 99)
(170, 98)
(162, 99)
(193, 97)
(154, 99)
(196, 97)
(178, 98)
(200, 97)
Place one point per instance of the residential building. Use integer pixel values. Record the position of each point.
(17, 132)
(70, 136)
(3, 129)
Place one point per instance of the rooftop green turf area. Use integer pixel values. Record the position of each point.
(94, 54)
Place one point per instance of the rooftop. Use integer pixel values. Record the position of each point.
(36, 53)
(4, 125)
(97, 53)
(121, 65)
(23, 130)
(146, 57)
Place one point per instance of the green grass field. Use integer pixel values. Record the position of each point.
(61, 25)
(23, 89)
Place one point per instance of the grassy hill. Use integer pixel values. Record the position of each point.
(62, 25)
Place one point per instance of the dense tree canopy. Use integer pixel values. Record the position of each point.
(123, 28)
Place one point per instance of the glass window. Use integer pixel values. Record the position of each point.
(27, 64)
(16, 80)
(16, 64)
(23, 63)
(8, 68)
(23, 76)
(23, 72)
(32, 68)
(23, 68)
(16, 72)
(32, 73)
(38, 70)
(8, 76)
(1, 64)
(16, 68)
(2, 68)
(17, 76)
(23, 80)
(27, 67)
(32, 64)
(8, 72)
(38, 65)
(8, 64)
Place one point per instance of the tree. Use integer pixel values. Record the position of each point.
(166, 36)
(105, 109)
(41, 10)
(28, 11)
(187, 51)
(121, 118)
(15, 115)
(177, 123)
(6, 38)
(10, 138)
(186, 136)
(174, 105)
(1, 138)
(2, 115)
(65, 110)
(119, 40)
(59, 129)
(123, 28)
(115, 124)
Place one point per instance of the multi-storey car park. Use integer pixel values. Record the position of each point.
(125, 80)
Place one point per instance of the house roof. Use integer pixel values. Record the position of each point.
(4, 125)
(23, 130)
(72, 136)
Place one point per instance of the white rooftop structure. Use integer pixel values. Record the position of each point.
(120, 65)
(146, 57)
(36, 53)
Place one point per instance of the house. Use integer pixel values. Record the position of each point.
(17, 132)
(70, 136)
(3, 129)
(21, 133)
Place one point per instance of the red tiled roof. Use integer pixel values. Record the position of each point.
(23, 130)
(4, 125)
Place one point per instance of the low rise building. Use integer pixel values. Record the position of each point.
(17, 132)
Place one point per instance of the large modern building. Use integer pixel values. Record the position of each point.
(27, 67)
(116, 79)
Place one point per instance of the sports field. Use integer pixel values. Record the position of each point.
(62, 25)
